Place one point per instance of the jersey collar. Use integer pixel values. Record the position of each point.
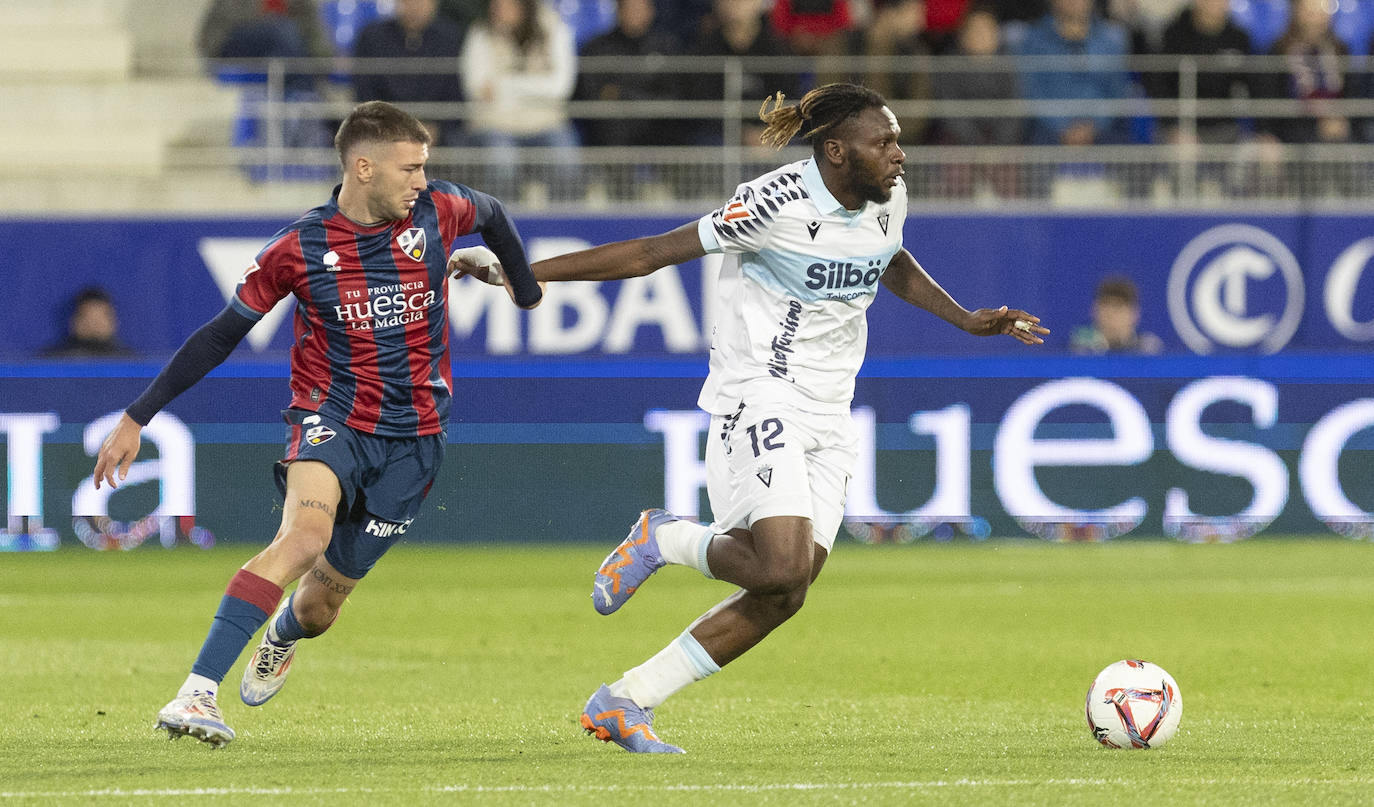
(825, 201)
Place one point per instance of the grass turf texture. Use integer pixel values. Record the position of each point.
(941, 674)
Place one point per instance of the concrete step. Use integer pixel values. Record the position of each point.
(164, 33)
(57, 14)
(162, 104)
(78, 152)
(123, 129)
(47, 54)
(217, 192)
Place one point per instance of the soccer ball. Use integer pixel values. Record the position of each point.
(1134, 704)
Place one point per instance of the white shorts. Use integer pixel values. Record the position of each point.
(778, 461)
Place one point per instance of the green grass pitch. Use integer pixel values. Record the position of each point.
(924, 674)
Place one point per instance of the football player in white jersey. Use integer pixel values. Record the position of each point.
(805, 248)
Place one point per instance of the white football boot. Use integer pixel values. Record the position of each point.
(197, 715)
(265, 674)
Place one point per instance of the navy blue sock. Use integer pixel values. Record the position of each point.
(244, 608)
(287, 627)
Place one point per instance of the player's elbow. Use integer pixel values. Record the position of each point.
(639, 269)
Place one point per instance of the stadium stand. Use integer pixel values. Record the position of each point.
(176, 134)
(74, 79)
(112, 96)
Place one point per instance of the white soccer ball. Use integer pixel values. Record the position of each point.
(1134, 704)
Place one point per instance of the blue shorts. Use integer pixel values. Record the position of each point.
(383, 481)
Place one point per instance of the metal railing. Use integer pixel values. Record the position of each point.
(292, 130)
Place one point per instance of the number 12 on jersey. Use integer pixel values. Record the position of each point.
(772, 431)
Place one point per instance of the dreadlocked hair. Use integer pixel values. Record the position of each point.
(821, 109)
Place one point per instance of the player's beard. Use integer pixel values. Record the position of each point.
(876, 192)
(870, 183)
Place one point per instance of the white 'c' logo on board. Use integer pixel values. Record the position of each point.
(1210, 284)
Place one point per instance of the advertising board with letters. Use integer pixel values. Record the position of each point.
(1210, 284)
(1064, 448)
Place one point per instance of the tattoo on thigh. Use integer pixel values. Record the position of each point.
(316, 504)
(329, 582)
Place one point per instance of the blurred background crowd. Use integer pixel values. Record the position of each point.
(653, 102)
(538, 82)
(518, 62)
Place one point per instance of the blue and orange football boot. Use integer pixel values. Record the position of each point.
(621, 721)
(625, 570)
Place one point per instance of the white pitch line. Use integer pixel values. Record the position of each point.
(934, 784)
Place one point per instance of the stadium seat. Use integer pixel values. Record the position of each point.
(1264, 20)
(587, 18)
(234, 74)
(1353, 22)
(343, 19)
(296, 131)
(1013, 33)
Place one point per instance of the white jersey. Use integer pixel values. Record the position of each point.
(798, 276)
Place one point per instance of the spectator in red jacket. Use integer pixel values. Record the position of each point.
(813, 27)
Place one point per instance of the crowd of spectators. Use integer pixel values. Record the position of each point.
(517, 64)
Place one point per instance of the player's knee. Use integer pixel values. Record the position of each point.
(788, 577)
(786, 604)
(303, 545)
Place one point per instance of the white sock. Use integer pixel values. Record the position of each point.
(198, 683)
(684, 543)
(682, 662)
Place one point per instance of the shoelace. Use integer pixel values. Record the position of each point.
(205, 703)
(269, 661)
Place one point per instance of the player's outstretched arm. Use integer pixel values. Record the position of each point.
(499, 232)
(908, 280)
(202, 351)
(622, 259)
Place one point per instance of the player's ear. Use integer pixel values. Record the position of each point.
(834, 151)
(362, 168)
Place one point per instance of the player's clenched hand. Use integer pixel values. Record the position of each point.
(1010, 321)
(481, 263)
(117, 452)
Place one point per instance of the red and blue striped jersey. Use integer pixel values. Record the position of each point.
(371, 321)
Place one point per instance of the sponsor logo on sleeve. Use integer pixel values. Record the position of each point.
(736, 211)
